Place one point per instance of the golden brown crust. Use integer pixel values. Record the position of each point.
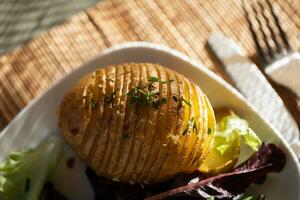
(131, 142)
(73, 126)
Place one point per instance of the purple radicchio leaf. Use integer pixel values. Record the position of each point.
(268, 158)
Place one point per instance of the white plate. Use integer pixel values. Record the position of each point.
(38, 119)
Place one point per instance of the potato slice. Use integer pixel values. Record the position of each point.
(149, 131)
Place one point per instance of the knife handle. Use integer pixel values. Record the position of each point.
(286, 71)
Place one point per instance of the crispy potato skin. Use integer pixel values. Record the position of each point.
(131, 142)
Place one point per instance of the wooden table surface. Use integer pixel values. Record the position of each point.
(183, 25)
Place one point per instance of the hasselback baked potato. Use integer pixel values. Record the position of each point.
(138, 122)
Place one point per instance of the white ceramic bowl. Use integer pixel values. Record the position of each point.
(38, 119)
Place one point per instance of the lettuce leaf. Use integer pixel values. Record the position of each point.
(23, 173)
(230, 129)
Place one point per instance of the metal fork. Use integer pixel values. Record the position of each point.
(275, 54)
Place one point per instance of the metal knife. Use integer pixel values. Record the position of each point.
(250, 81)
(286, 71)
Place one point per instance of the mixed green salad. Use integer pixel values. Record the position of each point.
(24, 173)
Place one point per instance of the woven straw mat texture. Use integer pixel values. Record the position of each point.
(183, 25)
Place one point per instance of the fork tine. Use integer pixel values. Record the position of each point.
(273, 35)
(259, 48)
(270, 54)
(281, 31)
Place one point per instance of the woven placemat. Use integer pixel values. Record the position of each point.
(183, 25)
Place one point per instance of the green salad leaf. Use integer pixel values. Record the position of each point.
(232, 128)
(23, 173)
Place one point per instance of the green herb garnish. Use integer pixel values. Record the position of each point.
(195, 128)
(155, 79)
(192, 124)
(93, 104)
(145, 95)
(209, 131)
(185, 101)
(169, 81)
(185, 131)
(163, 101)
(180, 102)
(175, 98)
(126, 136)
(27, 184)
(109, 99)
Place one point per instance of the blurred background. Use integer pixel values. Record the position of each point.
(21, 20)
